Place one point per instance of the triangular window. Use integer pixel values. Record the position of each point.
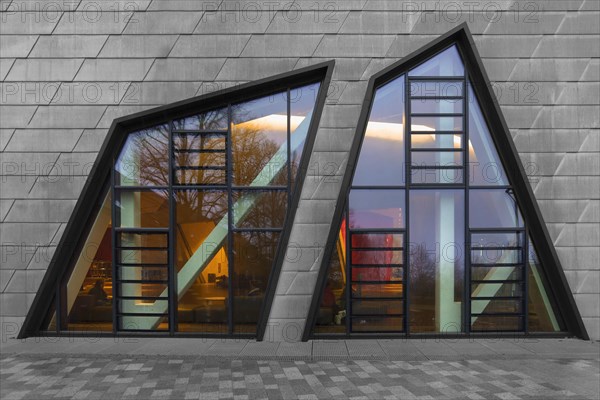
(186, 225)
(431, 237)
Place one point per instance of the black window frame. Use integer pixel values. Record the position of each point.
(99, 182)
(534, 228)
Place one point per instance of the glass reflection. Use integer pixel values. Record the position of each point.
(252, 260)
(144, 159)
(259, 141)
(436, 106)
(485, 167)
(493, 209)
(431, 124)
(436, 89)
(380, 208)
(443, 174)
(435, 141)
(543, 313)
(446, 63)
(89, 288)
(259, 209)
(381, 159)
(201, 260)
(200, 159)
(331, 315)
(210, 120)
(436, 260)
(142, 209)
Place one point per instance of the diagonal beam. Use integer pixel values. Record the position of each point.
(214, 241)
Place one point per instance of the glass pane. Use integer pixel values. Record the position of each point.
(253, 257)
(436, 175)
(146, 240)
(143, 257)
(259, 141)
(497, 306)
(433, 141)
(446, 63)
(436, 260)
(387, 290)
(259, 209)
(436, 158)
(210, 120)
(430, 124)
(331, 315)
(377, 324)
(154, 310)
(496, 323)
(89, 288)
(201, 260)
(203, 177)
(495, 208)
(144, 158)
(436, 106)
(496, 239)
(380, 208)
(143, 272)
(543, 313)
(183, 142)
(495, 273)
(485, 165)
(377, 274)
(436, 88)
(376, 257)
(142, 209)
(377, 307)
(200, 159)
(511, 289)
(134, 323)
(377, 240)
(143, 289)
(139, 305)
(495, 256)
(302, 105)
(381, 158)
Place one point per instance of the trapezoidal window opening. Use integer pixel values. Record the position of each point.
(192, 201)
(436, 229)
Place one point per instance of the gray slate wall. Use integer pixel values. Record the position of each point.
(68, 68)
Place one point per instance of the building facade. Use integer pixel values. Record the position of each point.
(129, 192)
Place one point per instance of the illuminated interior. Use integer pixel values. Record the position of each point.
(208, 225)
(404, 262)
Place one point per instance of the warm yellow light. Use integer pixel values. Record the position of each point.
(273, 122)
(392, 131)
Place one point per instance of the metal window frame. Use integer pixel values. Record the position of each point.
(101, 178)
(535, 228)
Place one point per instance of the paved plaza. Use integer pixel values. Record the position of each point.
(355, 369)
